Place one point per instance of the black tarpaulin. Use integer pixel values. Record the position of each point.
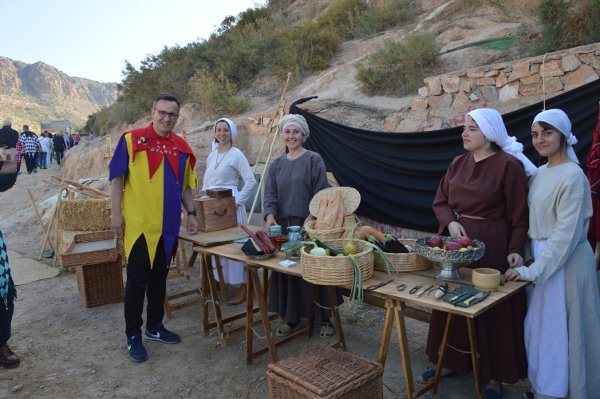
(397, 174)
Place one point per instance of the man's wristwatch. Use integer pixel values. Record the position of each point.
(193, 212)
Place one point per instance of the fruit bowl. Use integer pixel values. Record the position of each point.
(449, 261)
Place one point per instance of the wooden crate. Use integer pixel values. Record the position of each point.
(215, 213)
(219, 193)
(100, 283)
(325, 373)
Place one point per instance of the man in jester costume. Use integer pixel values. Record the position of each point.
(152, 174)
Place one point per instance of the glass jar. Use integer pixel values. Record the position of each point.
(274, 230)
(294, 233)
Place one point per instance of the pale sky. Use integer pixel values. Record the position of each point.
(93, 38)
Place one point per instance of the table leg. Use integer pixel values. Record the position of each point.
(404, 351)
(223, 289)
(215, 301)
(474, 356)
(336, 317)
(311, 309)
(386, 334)
(249, 316)
(442, 354)
(262, 305)
(205, 259)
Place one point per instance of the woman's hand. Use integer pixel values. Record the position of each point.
(456, 229)
(269, 220)
(514, 260)
(512, 275)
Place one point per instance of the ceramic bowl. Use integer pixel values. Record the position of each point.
(486, 279)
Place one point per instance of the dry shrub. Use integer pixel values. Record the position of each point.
(85, 214)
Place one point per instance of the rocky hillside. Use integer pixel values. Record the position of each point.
(34, 93)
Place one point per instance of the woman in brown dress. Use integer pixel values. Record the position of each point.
(484, 196)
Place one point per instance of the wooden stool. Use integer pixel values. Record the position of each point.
(325, 373)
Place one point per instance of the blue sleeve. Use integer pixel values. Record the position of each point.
(119, 163)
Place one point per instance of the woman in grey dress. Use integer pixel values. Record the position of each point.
(293, 179)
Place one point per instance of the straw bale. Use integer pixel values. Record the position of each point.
(90, 214)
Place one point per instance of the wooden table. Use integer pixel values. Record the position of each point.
(256, 288)
(396, 308)
(208, 285)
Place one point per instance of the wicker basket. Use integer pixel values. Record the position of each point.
(410, 262)
(325, 373)
(100, 283)
(337, 270)
(76, 254)
(323, 235)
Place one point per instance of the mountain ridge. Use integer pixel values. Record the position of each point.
(39, 92)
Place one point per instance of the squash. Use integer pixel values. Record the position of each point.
(365, 230)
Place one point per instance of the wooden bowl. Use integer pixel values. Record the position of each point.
(486, 279)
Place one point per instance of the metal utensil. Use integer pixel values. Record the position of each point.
(478, 296)
(423, 290)
(379, 285)
(461, 296)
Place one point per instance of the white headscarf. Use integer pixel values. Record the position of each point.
(559, 120)
(232, 127)
(296, 120)
(491, 125)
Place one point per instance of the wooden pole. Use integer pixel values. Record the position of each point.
(47, 235)
(83, 187)
(39, 217)
(270, 127)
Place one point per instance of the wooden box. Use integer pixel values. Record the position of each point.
(100, 283)
(219, 193)
(215, 213)
(325, 373)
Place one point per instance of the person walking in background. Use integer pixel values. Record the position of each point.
(146, 211)
(484, 195)
(9, 137)
(31, 145)
(59, 147)
(90, 136)
(50, 152)
(66, 139)
(8, 292)
(76, 138)
(562, 326)
(19, 148)
(224, 166)
(43, 150)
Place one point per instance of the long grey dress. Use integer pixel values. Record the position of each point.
(560, 210)
(290, 185)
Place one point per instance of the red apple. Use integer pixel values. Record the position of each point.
(435, 241)
(453, 246)
(465, 241)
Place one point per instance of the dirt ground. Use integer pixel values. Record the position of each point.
(69, 351)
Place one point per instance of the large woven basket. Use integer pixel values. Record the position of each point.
(409, 262)
(323, 235)
(337, 270)
(325, 373)
(100, 283)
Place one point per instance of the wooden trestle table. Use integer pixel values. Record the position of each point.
(398, 305)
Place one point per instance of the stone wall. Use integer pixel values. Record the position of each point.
(505, 86)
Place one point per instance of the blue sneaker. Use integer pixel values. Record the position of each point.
(161, 334)
(136, 349)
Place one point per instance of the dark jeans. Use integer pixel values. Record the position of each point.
(145, 280)
(42, 160)
(29, 161)
(6, 320)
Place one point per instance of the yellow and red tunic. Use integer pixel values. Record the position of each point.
(156, 171)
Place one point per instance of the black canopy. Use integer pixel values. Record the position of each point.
(397, 175)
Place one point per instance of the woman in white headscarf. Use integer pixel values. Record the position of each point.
(562, 327)
(224, 167)
(484, 196)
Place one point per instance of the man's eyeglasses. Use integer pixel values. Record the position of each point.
(162, 114)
